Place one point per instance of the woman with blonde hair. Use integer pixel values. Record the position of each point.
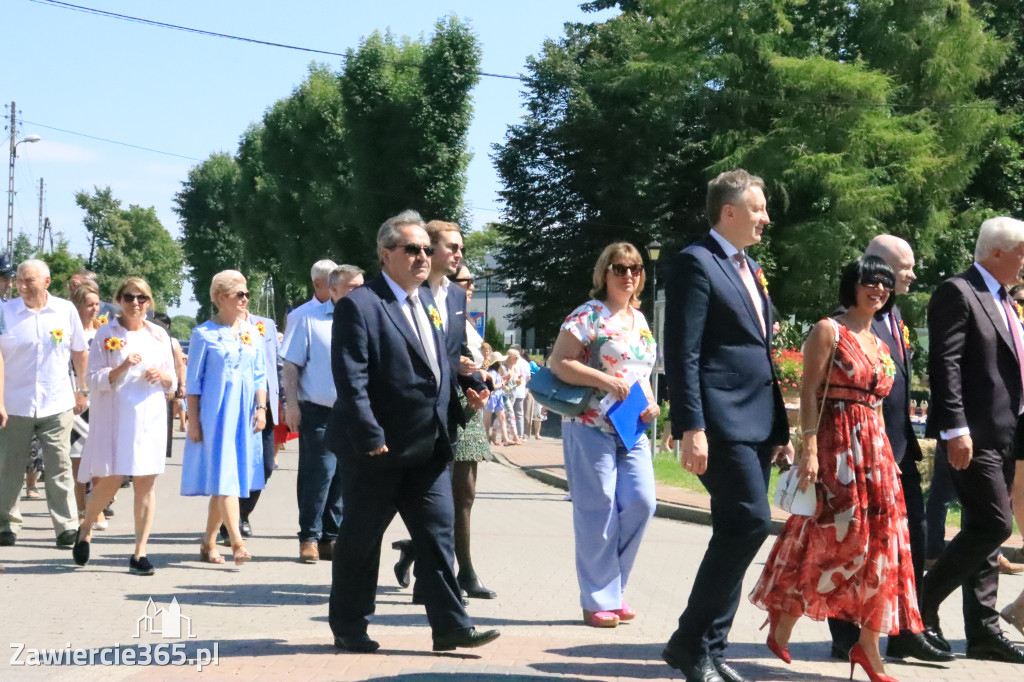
(606, 344)
(130, 371)
(86, 298)
(227, 405)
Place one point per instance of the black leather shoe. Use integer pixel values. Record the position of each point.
(915, 645)
(934, 637)
(68, 538)
(326, 549)
(7, 539)
(467, 638)
(728, 673)
(245, 529)
(703, 670)
(841, 652)
(995, 648)
(360, 643)
(223, 537)
(80, 550)
(475, 589)
(405, 559)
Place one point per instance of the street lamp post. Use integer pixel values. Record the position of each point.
(10, 188)
(653, 251)
(487, 298)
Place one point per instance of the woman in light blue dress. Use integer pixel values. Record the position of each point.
(227, 404)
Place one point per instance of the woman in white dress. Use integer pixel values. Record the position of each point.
(87, 300)
(130, 371)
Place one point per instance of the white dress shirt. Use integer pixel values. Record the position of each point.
(403, 296)
(730, 252)
(37, 378)
(440, 293)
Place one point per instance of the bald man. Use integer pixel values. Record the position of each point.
(905, 450)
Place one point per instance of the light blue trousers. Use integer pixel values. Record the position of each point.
(612, 502)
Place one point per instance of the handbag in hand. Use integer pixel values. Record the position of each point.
(567, 400)
(788, 495)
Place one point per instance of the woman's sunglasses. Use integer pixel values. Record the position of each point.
(872, 282)
(620, 270)
(241, 295)
(131, 298)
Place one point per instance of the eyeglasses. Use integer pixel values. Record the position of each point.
(132, 298)
(456, 247)
(620, 270)
(460, 280)
(872, 282)
(241, 295)
(414, 249)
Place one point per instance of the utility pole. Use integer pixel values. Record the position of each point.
(48, 231)
(39, 245)
(12, 119)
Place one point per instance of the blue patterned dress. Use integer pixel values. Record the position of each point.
(225, 373)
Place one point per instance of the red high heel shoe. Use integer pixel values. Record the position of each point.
(859, 657)
(781, 651)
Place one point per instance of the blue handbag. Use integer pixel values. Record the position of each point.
(556, 395)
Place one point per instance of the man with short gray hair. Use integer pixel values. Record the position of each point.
(40, 334)
(976, 368)
(344, 279)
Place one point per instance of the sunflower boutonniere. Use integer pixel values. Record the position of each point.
(261, 328)
(763, 280)
(115, 343)
(435, 316)
(888, 366)
(1020, 311)
(647, 336)
(906, 333)
(58, 336)
(246, 339)
(103, 319)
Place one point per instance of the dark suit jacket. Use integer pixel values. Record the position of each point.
(717, 362)
(455, 346)
(972, 364)
(896, 406)
(386, 391)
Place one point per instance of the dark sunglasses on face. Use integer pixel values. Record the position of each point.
(414, 249)
(872, 282)
(131, 298)
(456, 248)
(460, 280)
(241, 295)
(620, 270)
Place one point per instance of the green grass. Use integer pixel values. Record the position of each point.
(668, 471)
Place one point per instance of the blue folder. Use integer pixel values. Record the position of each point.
(625, 416)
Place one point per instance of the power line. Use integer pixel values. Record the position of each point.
(104, 139)
(228, 36)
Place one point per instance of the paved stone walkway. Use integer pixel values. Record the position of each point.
(268, 619)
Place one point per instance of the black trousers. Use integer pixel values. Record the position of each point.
(970, 560)
(371, 495)
(737, 480)
(247, 504)
(846, 634)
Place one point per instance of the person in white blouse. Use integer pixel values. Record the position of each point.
(131, 370)
(43, 333)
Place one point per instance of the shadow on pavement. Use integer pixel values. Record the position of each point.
(236, 595)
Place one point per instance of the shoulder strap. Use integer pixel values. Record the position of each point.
(828, 371)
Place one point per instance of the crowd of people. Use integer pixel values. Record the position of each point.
(396, 399)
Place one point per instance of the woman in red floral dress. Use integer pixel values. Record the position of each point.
(844, 561)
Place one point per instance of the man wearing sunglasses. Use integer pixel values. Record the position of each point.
(389, 428)
(727, 410)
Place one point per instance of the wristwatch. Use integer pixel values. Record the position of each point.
(83, 391)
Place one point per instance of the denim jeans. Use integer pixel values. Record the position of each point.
(319, 487)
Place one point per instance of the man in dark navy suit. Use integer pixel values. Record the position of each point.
(726, 409)
(389, 428)
(905, 450)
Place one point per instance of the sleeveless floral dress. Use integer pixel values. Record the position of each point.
(851, 560)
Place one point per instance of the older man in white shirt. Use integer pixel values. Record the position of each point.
(41, 334)
(310, 394)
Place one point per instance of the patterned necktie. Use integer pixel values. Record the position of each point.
(748, 281)
(1011, 322)
(897, 337)
(425, 335)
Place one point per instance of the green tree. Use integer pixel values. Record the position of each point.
(492, 336)
(479, 244)
(862, 117)
(131, 242)
(210, 241)
(408, 110)
(182, 326)
(62, 264)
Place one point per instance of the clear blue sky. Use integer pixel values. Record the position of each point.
(194, 95)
